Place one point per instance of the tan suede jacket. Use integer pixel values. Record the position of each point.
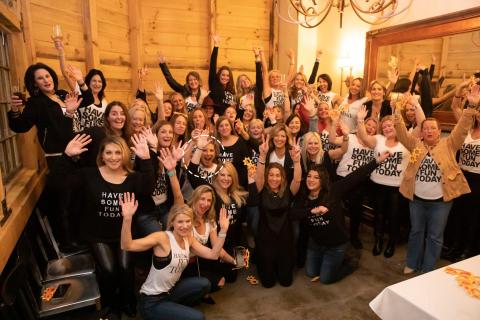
(453, 181)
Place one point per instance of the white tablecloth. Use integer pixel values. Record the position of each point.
(434, 295)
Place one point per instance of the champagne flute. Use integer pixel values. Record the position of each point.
(57, 32)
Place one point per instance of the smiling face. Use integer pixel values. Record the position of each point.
(248, 112)
(198, 119)
(208, 155)
(44, 81)
(294, 125)
(224, 77)
(410, 112)
(193, 82)
(112, 156)
(430, 132)
(388, 129)
(371, 127)
(244, 82)
(355, 87)
(377, 92)
(231, 113)
(203, 204)
(299, 82)
(167, 108)
(210, 111)
(323, 111)
(313, 181)
(274, 179)
(313, 146)
(224, 128)
(182, 225)
(165, 136)
(178, 102)
(116, 118)
(256, 130)
(138, 121)
(180, 126)
(274, 78)
(96, 84)
(322, 85)
(224, 179)
(280, 139)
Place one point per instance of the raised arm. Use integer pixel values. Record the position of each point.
(129, 206)
(169, 163)
(297, 168)
(258, 101)
(214, 252)
(291, 69)
(457, 101)
(176, 86)
(332, 130)
(460, 131)
(57, 41)
(313, 75)
(159, 97)
(212, 71)
(370, 141)
(267, 90)
(408, 140)
(419, 116)
(260, 174)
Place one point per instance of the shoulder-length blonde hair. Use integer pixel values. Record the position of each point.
(283, 184)
(275, 130)
(143, 108)
(177, 210)
(235, 191)
(240, 91)
(306, 138)
(197, 193)
(119, 142)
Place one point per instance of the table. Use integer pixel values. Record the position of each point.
(433, 295)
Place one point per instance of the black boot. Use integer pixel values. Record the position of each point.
(377, 247)
(390, 249)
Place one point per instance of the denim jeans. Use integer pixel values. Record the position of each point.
(326, 262)
(430, 218)
(147, 223)
(176, 304)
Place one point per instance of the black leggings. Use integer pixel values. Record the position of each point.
(115, 274)
(388, 205)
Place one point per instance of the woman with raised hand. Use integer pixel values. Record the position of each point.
(163, 295)
(204, 224)
(229, 194)
(90, 115)
(220, 83)
(164, 107)
(356, 155)
(320, 207)
(192, 90)
(431, 181)
(278, 151)
(275, 89)
(349, 106)
(139, 118)
(378, 106)
(275, 240)
(386, 179)
(100, 188)
(324, 89)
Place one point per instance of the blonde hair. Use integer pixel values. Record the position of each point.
(275, 130)
(235, 191)
(319, 157)
(197, 193)
(141, 107)
(177, 210)
(119, 142)
(374, 82)
(240, 90)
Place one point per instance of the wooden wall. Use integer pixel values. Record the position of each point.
(121, 36)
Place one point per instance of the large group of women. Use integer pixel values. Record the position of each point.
(283, 155)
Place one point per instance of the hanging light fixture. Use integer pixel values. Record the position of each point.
(310, 13)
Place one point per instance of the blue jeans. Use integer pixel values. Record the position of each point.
(326, 262)
(176, 304)
(147, 223)
(428, 217)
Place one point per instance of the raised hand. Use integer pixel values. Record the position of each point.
(158, 92)
(152, 139)
(382, 156)
(310, 106)
(263, 148)
(362, 113)
(203, 139)
(128, 204)
(291, 54)
(256, 50)
(239, 126)
(334, 115)
(140, 146)
(251, 171)
(75, 72)
(178, 152)
(216, 40)
(161, 57)
(301, 69)
(223, 220)
(320, 210)
(72, 102)
(76, 146)
(318, 54)
(16, 103)
(393, 76)
(473, 96)
(58, 45)
(167, 159)
(142, 73)
(295, 151)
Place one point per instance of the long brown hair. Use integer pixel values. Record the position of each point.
(106, 124)
(197, 193)
(283, 184)
(119, 142)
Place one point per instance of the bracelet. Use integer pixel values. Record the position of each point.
(201, 149)
(458, 97)
(81, 84)
(171, 173)
(260, 162)
(68, 114)
(222, 234)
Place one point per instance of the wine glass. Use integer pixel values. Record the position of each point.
(57, 32)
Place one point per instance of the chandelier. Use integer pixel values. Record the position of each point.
(310, 13)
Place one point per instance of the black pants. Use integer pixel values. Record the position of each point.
(387, 206)
(115, 275)
(354, 204)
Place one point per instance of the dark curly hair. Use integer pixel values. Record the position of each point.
(29, 78)
(90, 75)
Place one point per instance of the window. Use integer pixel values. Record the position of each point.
(9, 155)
